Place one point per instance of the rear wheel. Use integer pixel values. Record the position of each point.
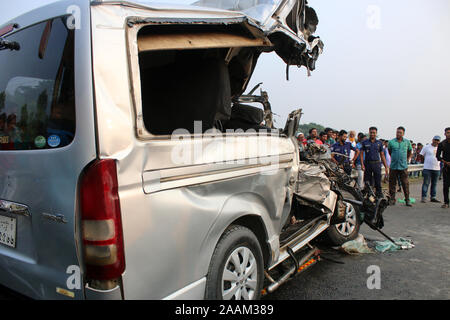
(236, 270)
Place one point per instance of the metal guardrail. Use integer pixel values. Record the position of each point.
(411, 168)
(415, 167)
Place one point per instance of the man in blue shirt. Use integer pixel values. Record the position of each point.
(400, 150)
(372, 149)
(340, 152)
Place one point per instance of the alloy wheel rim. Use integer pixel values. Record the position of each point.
(240, 274)
(348, 226)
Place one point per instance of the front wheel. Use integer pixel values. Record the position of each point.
(338, 234)
(236, 270)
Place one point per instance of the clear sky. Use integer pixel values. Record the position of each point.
(386, 63)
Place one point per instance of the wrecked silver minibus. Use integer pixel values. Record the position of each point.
(132, 166)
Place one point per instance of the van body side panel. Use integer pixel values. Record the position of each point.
(173, 213)
(47, 251)
(170, 235)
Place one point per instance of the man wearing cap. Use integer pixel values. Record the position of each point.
(443, 155)
(431, 169)
(301, 145)
(301, 139)
(373, 157)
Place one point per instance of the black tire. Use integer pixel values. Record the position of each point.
(334, 234)
(234, 238)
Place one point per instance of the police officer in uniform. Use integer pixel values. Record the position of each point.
(340, 153)
(371, 162)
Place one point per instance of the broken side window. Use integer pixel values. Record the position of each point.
(189, 76)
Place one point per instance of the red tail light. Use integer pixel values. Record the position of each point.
(101, 221)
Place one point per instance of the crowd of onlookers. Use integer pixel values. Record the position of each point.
(366, 154)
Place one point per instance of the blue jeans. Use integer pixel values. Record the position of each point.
(428, 175)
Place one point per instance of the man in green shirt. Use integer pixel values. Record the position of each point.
(329, 132)
(400, 150)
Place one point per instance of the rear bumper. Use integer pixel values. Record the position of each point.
(93, 294)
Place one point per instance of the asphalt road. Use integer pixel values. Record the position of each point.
(419, 273)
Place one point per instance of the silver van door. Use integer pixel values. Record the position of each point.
(44, 146)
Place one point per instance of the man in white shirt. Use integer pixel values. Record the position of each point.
(352, 139)
(431, 169)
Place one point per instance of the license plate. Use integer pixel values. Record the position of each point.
(8, 231)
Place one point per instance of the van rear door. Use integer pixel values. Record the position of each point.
(44, 146)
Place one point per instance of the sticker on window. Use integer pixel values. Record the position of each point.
(53, 141)
(39, 142)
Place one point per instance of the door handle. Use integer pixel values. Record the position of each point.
(14, 208)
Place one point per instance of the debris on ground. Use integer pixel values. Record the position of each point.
(356, 246)
(411, 200)
(361, 245)
(388, 246)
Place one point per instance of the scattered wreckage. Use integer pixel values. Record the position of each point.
(322, 191)
(322, 188)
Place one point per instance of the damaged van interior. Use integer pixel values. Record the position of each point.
(206, 69)
(207, 64)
